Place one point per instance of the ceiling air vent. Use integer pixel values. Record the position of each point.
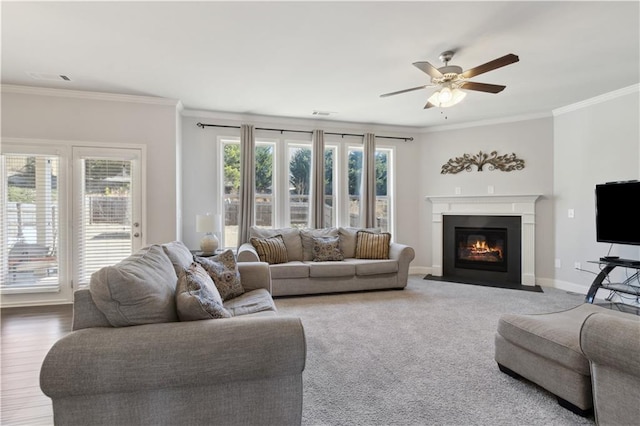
(48, 77)
(322, 113)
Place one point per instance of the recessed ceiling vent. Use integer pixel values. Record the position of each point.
(48, 77)
(322, 113)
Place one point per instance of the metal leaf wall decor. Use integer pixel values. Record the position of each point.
(506, 162)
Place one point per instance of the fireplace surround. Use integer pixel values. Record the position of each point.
(518, 206)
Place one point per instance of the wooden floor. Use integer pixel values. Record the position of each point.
(27, 335)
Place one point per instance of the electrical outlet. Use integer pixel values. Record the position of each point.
(457, 190)
(558, 263)
(571, 213)
(490, 189)
(577, 265)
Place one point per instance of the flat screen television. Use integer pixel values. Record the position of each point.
(617, 214)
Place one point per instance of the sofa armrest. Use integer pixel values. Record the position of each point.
(612, 341)
(85, 312)
(248, 253)
(255, 275)
(404, 255)
(169, 355)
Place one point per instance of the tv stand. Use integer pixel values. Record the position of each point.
(610, 263)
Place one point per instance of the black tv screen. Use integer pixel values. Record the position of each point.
(617, 214)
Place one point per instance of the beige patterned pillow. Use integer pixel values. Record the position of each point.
(271, 250)
(308, 235)
(223, 270)
(327, 249)
(372, 246)
(197, 297)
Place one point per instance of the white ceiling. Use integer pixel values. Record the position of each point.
(290, 58)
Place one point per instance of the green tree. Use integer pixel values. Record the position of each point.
(355, 172)
(264, 169)
(328, 172)
(381, 173)
(300, 171)
(231, 168)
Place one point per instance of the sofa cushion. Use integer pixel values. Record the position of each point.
(197, 297)
(372, 246)
(271, 249)
(253, 301)
(294, 269)
(327, 249)
(348, 237)
(307, 236)
(374, 266)
(138, 290)
(291, 237)
(179, 255)
(331, 269)
(223, 270)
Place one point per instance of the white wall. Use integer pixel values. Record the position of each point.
(596, 141)
(70, 116)
(531, 140)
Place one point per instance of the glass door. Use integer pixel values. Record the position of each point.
(107, 215)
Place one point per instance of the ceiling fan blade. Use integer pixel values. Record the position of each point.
(491, 65)
(482, 87)
(429, 69)
(403, 91)
(429, 105)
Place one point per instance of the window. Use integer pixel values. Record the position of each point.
(299, 185)
(230, 191)
(265, 184)
(383, 189)
(330, 179)
(30, 223)
(354, 173)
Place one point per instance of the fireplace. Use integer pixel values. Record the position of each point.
(482, 248)
(521, 207)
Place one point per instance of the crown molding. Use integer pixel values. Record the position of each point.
(81, 94)
(480, 123)
(597, 100)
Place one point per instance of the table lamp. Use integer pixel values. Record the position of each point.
(208, 224)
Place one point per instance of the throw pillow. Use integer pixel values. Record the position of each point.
(179, 254)
(307, 239)
(197, 297)
(327, 249)
(138, 290)
(372, 246)
(291, 237)
(223, 270)
(271, 250)
(348, 237)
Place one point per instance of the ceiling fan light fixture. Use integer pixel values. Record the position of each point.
(446, 97)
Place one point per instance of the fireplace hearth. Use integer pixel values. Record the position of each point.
(482, 249)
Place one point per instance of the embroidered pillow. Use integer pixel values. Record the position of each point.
(271, 250)
(372, 246)
(197, 297)
(326, 249)
(308, 235)
(223, 270)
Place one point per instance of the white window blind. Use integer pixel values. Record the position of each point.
(30, 224)
(104, 210)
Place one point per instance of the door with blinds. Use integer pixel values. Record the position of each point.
(106, 209)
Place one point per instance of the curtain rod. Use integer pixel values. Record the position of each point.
(203, 125)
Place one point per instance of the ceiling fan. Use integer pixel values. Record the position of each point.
(450, 79)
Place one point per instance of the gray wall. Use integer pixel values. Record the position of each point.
(106, 119)
(594, 143)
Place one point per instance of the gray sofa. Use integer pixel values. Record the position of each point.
(301, 275)
(612, 346)
(246, 369)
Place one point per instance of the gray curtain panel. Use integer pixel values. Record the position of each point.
(368, 190)
(247, 182)
(317, 177)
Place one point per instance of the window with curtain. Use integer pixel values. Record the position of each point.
(29, 228)
(383, 189)
(230, 191)
(299, 185)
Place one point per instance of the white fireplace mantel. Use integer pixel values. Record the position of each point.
(487, 205)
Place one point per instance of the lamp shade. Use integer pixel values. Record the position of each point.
(207, 222)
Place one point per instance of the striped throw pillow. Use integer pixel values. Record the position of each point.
(372, 246)
(271, 250)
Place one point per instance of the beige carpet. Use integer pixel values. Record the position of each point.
(419, 356)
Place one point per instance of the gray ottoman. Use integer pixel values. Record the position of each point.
(545, 349)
